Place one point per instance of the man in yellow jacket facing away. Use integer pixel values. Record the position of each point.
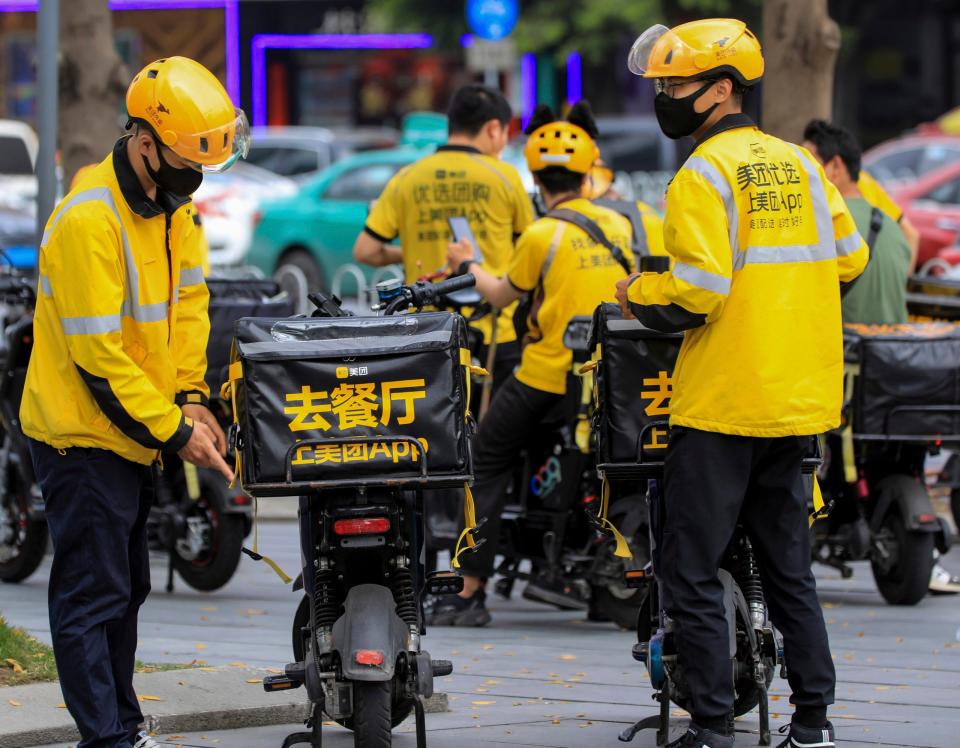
(117, 376)
(761, 244)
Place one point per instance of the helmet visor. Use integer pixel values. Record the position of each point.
(216, 150)
(639, 56)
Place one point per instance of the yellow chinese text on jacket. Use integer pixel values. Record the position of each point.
(121, 324)
(761, 243)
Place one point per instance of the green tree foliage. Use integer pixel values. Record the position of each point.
(596, 28)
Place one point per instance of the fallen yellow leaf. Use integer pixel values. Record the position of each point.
(491, 682)
(17, 667)
(61, 706)
(13, 702)
(482, 703)
(254, 680)
(568, 657)
(148, 697)
(201, 646)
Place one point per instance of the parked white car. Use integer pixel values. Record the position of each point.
(228, 204)
(18, 157)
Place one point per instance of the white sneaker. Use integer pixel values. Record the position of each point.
(145, 741)
(942, 582)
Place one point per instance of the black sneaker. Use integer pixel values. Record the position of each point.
(453, 610)
(808, 737)
(697, 737)
(555, 593)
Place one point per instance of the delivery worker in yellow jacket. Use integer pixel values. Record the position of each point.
(569, 271)
(117, 376)
(762, 243)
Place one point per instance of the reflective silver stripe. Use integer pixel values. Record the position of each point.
(701, 278)
(821, 208)
(708, 171)
(788, 253)
(552, 249)
(191, 276)
(90, 325)
(45, 285)
(131, 303)
(849, 244)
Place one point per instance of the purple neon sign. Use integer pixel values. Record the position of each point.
(230, 9)
(262, 42)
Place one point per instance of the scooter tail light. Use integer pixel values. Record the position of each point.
(364, 526)
(370, 657)
(926, 519)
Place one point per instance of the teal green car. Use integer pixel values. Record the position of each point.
(315, 229)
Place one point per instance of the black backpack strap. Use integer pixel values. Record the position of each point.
(876, 223)
(631, 211)
(591, 229)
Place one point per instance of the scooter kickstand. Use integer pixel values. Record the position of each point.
(312, 738)
(660, 723)
(764, 716)
(421, 722)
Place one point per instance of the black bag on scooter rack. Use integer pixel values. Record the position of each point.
(908, 384)
(634, 381)
(345, 401)
(231, 299)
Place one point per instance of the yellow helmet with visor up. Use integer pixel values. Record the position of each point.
(190, 112)
(707, 48)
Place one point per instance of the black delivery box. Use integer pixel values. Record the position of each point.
(908, 387)
(634, 383)
(330, 402)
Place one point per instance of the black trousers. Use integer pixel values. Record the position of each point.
(96, 509)
(711, 482)
(516, 414)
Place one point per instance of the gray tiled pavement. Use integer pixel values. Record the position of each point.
(538, 677)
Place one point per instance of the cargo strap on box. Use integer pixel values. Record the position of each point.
(229, 392)
(466, 540)
(257, 556)
(622, 549)
(820, 509)
(848, 458)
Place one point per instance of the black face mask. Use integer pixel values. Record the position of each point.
(677, 117)
(181, 182)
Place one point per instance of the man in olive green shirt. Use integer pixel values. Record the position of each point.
(880, 294)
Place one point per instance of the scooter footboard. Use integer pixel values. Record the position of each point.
(370, 635)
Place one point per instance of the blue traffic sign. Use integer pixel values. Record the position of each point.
(492, 19)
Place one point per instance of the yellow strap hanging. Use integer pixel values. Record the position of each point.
(819, 506)
(470, 526)
(466, 361)
(257, 556)
(228, 391)
(623, 547)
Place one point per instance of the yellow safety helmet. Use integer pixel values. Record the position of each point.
(561, 144)
(190, 112)
(599, 180)
(698, 49)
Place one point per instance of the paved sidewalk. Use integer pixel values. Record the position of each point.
(538, 677)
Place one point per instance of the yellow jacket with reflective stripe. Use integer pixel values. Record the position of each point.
(761, 243)
(119, 338)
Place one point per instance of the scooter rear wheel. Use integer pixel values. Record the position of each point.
(27, 551)
(372, 714)
(903, 578)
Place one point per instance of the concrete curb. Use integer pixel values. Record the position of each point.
(207, 721)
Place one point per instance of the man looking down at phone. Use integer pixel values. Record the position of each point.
(463, 178)
(565, 267)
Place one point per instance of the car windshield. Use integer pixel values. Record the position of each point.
(14, 156)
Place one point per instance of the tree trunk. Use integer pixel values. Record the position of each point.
(800, 46)
(93, 82)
